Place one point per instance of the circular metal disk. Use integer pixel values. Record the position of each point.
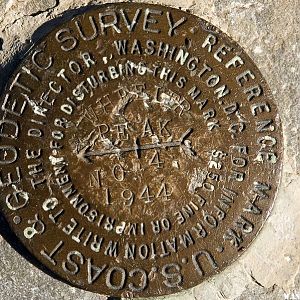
(140, 150)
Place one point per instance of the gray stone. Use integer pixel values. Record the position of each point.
(269, 32)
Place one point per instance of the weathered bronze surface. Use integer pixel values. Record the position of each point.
(140, 150)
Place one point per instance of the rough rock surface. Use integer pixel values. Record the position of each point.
(269, 32)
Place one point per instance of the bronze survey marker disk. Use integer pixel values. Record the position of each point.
(140, 150)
